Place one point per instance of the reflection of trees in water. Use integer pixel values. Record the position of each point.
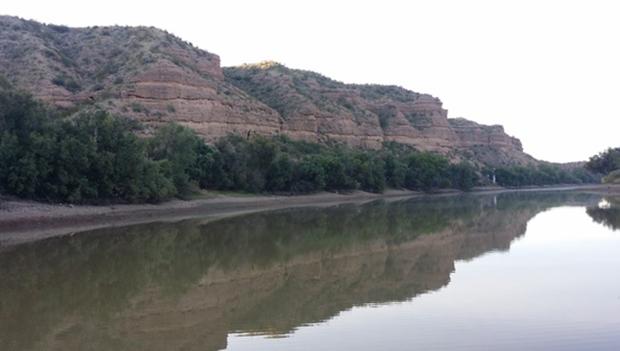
(609, 215)
(260, 272)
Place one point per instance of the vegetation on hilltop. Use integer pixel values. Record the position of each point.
(284, 90)
(92, 60)
(293, 91)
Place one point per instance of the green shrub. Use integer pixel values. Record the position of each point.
(93, 157)
(612, 178)
(67, 83)
(605, 162)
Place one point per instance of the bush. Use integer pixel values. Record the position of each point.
(605, 162)
(463, 176)
(178, 147)
(543, 174)
(426, 171)
(259, 164)
(68, 83)
(92, 157)
(612, 178)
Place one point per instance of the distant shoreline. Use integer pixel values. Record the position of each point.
(24, 221)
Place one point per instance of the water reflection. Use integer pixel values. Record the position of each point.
(607, 212)
(188, 285)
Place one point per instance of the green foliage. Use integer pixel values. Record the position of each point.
(612, 178)
(605, 162)
(91, 157)
(309, 176)
(280, 174)
(543, 174)
(96, 157)
(463, 176)
(259, 164)
(177, 147)
(137, 107)
(426, 171)
(68, 83)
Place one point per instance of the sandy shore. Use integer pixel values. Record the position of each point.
(24, 221)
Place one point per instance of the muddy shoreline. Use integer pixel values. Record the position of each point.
(26, 221)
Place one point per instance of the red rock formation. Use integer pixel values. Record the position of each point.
(154, 77)
(167, 92)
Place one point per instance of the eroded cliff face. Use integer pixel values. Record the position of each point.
(166, 92)
(154, 77)
(144, 73)
(316, 108)
(489, 144)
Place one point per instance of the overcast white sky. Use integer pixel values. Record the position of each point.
(549, 71)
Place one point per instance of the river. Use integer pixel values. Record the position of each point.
(511, 271)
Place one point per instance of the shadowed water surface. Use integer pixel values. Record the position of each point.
(535, 271)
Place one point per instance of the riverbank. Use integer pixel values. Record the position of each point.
(23, 221)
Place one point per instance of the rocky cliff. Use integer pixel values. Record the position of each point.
(154, 77)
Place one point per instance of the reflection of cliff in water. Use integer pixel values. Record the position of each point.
(187, 285)
(607, 213)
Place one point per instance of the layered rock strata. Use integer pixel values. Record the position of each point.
(154, 77)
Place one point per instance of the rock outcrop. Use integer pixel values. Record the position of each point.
(144, 73)
(150, 75)
(489, 144)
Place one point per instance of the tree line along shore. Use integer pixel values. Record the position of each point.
(94, 157)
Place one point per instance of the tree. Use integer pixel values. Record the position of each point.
(309, 176)
(178, 146)
(280, 174)
(426, 171)
(369, 172)
(395, 171)
(91, 157)
(605, 162)
(463, 176)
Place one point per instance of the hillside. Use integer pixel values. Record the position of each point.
(314, 107)
(155, 77)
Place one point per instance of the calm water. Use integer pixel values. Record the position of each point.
(536, 271)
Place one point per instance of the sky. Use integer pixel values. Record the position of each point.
(548, 71)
